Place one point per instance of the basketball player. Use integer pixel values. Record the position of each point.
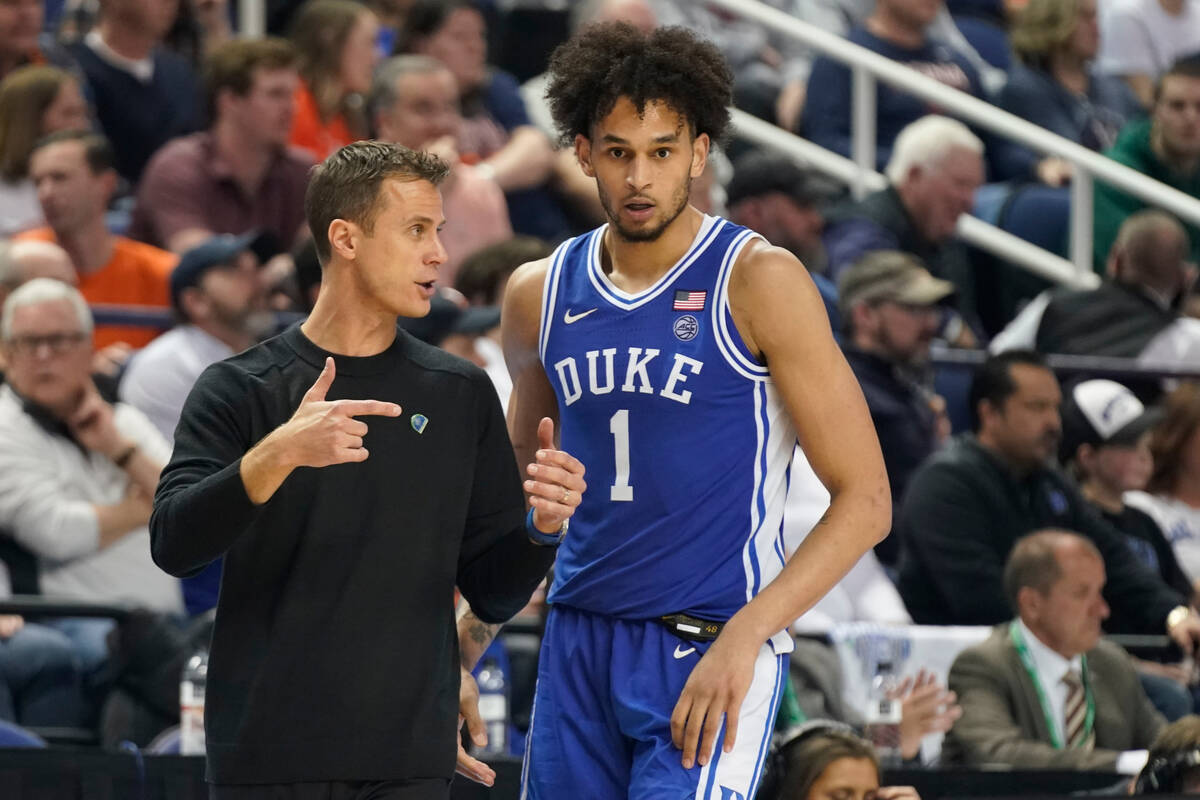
(682, 356)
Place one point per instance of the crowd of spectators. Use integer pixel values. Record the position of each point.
(152, 171)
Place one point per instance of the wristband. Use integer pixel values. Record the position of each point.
(544, 539)
(125, 456)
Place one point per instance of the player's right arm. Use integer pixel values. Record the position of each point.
(213, 488)
(532, 395)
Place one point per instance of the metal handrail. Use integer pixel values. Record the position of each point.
(1043, 263)
(1117, 368)
(867, 67)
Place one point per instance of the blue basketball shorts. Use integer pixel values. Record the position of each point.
(601, 727)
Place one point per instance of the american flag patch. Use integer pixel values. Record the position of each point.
(687, 300)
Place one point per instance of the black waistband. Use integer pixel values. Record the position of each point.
(692, 628)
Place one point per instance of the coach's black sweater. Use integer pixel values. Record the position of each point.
(334, 655)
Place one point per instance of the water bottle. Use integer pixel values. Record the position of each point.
(883, 716)
(191, 705)
(493, 706)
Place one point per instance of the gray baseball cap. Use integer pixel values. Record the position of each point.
(890, 275)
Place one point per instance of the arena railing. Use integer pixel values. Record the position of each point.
(868, 67)
(1114, 368)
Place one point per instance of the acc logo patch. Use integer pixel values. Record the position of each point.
(686, 328)
(419, 421)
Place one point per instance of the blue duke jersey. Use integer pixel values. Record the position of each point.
(685, 439)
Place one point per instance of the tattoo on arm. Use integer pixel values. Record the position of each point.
(480, 632)
(474, 636)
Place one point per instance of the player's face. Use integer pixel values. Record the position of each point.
(846, 779)
(644, 165)
(397, 262)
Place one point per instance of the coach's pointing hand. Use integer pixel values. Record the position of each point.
(321, 433)
(556, 484)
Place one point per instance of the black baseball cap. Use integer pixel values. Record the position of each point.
(447, 317)
(761, 172)
(216, 251)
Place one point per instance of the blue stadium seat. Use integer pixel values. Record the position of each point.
(14, 736)
(988, 39)
(1040, 215)
(166, 743)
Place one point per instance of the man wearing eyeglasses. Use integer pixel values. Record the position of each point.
(76, 473)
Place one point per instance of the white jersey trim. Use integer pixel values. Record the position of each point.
(604, 286)
(723, 335)
(550, 296)
(739, 771)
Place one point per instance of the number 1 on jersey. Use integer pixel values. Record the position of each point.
(618, 426)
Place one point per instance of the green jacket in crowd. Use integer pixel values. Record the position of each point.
(1111, 206)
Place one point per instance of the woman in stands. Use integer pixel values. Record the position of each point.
(496, 133)
(1172, 496)
(826, 761)
(336, 42)
(1053, 84)
(34, 101)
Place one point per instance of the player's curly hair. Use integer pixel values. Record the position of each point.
(609, 60)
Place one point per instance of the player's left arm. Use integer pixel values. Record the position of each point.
(779, 314)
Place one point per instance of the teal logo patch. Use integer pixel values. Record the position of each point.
(419, 421)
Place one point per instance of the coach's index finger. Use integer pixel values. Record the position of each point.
(365, 408)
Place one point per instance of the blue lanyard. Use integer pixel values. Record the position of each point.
(1018, 640)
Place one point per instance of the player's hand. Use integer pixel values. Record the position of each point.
(555, 484)
(468, 710)
(324, 432)
(715, 689)
(926, 707)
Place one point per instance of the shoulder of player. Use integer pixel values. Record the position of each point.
(522, 309)
(527, 280)
(762, 265)
(764, 276)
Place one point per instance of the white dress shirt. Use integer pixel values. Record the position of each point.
(1051, 667)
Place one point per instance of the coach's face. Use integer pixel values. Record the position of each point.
(644, 164)
(396, 259)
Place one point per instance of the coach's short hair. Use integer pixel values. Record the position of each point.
(347, 184)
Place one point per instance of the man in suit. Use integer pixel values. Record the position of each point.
(1044, 690)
